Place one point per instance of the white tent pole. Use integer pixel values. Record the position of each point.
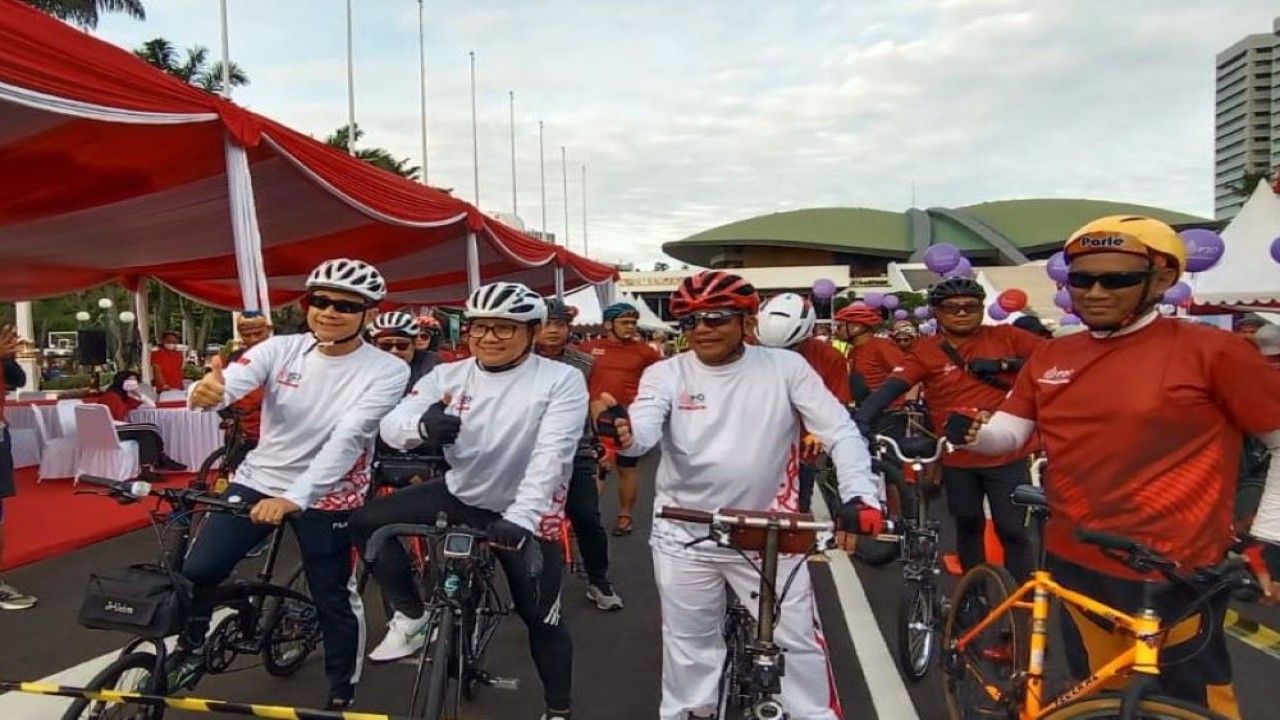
(226, 50)
(26, 330)
(473, 262)
(560, 282)
(142, 309)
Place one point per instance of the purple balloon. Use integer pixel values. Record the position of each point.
(943, 258)
(901, 314)
(1204, 248)
(995, 312)
(963, 269)
(823, 288)
(1178, 294)
(890, 301)
(1069, 319)
(922, 312)
(1275, 249)
(1062, 299)
(873, 299)
(1057, 267)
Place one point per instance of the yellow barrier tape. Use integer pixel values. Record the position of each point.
(1252, 633)
(195, 704)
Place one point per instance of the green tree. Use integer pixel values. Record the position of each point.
(85, 13)
(341, 139)
(194, 67)
(1245, 186)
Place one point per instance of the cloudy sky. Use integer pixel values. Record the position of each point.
(693, 113)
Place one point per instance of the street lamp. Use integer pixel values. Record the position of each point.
(105, 303)
(127, 317)
(82, 316)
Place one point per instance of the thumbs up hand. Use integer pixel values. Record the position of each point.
(437, 425)
(209, 391)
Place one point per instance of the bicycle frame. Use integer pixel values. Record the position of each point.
(1143, 657)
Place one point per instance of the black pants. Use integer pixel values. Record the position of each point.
(1193, 667)
(538, 606)
(325, 543)
(150, 444)
(965, 488)
(583, 510)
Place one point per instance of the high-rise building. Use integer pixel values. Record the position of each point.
(1247, 115)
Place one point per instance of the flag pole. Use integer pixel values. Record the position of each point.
(422, 81)
(542, 173)
(475, 136)
(564, 173)
(515, 207)
(586, 249)
(226, 51)
(351, 84)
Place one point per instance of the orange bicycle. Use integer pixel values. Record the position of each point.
(997, 633)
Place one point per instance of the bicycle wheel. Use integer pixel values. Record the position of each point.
(981, 679)
(428, 702)
(290, 633)
(210, 470)
(1106, 706)
(128, 673)
(739, 631)
(480, 624)
(918, 622)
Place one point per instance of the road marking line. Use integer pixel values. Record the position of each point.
(1252, 633)
(888, 692)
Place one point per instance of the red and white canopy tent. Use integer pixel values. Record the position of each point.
(111, 170)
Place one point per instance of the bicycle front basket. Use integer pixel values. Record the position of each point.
(143, 600)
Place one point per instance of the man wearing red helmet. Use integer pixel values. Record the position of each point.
(871, 359)
(728, 416)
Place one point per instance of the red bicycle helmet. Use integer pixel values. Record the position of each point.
(714, 290)
(859, 316)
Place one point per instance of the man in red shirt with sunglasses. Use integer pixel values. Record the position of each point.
(1143, 418)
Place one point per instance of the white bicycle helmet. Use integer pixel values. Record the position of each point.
(394, 323)
(353, 276)
(508, 301)
(785, 320)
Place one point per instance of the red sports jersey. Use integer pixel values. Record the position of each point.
(169, 363)
(618, 366)
(1143, 433)
(830, 366)
(948, 388)
(875, 361)
(119, 405)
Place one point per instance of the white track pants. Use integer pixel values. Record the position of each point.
(693, 607)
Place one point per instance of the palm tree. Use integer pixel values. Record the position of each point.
(194, 68)
(1245, 186)
(374, 156)
(85, 12)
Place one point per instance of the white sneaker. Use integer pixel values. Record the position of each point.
(405, 636)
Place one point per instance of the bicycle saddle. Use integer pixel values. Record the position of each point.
(918, 446)
(1029, 496)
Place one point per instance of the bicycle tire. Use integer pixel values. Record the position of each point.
(294, 621)
(108, 678)
(428, 703)
(206, 478)
(1106, 706)
(918, 610)
(1009, 635)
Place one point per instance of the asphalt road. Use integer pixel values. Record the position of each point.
(617, 655)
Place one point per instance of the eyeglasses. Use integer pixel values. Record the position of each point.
(1108, 281)
(960, 308)
(390, 345)
(501, 332)
(712, 318)
(346, 307)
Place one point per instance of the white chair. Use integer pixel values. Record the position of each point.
(102, 452)
(25, 446)
(67, 418)
(58, 454)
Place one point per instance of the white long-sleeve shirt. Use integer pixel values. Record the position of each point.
(320, 418)
(729, 437)
(520, 431)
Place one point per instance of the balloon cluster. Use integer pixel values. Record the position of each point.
(947, 261)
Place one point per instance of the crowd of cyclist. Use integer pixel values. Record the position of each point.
(1143, 419)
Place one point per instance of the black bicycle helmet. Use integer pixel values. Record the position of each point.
(956, 287)
(558, 310)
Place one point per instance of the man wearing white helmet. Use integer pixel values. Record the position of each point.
(509, 422)
(396, 333)
(787, 321)
(325, 393)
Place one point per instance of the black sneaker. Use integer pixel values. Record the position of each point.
(168, 463)
(341, 698)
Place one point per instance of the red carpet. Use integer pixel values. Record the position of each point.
(48, 519)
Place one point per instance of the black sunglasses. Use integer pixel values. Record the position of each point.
(394, 344)
(960, 308)
(712, 318)
(1108, 280)
(346, 307)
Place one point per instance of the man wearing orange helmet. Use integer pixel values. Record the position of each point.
(728, 418)
(871, 359)
(1156, 461)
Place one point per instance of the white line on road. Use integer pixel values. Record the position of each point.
(888, 692)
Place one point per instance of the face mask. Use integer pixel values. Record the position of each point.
(129, 385)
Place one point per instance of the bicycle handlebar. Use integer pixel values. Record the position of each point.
(386, 533)
(133, 490)
(1232, 572)
(783, 521)
(938, 446)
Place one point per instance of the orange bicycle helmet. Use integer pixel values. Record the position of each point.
(859, 315)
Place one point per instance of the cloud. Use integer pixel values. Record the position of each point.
(690, 115)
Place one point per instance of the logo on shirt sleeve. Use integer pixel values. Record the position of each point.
(242, 360)
(1054, 376)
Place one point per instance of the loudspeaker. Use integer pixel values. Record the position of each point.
(91, 347)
